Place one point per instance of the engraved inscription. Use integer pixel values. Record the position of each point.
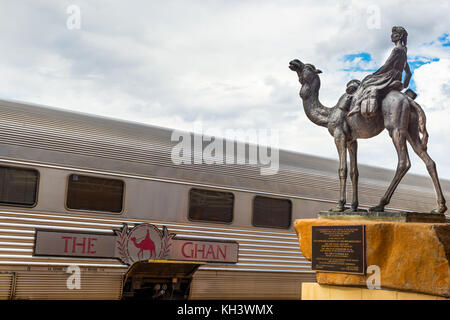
(338, 248)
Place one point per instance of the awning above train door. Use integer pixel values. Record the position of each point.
(159, 279)
(163, 268)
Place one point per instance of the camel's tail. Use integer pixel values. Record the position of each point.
(422, 123)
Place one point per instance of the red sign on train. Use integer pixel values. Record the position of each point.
(142, 242)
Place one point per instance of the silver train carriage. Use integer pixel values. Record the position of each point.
(62, 170)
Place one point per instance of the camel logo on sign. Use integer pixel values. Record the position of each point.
(143, 242)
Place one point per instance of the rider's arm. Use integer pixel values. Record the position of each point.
(408, 75)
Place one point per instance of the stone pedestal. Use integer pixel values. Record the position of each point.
(412, 257)
(315, 291)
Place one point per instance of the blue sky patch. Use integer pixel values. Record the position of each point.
(365, 56)
(444, 40)
(357, 62)
(417, 62)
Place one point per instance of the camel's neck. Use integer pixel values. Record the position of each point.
(315, 111)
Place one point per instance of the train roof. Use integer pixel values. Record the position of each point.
(59, 130)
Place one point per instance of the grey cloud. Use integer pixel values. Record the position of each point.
(221, 61)
(445, 88)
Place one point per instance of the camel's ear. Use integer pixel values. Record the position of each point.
(318, 71)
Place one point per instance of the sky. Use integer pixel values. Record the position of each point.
(224, 63)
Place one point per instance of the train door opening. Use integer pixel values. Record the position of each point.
(159, 280)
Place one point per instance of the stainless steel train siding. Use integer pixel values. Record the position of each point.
(58, 143)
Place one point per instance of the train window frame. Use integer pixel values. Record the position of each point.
(93, 211)
(210, 221)
(272, 227)
(36, 194)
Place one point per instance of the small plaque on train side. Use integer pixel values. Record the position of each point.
(338, 249)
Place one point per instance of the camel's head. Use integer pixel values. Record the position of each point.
(308, 76)
(306, 72)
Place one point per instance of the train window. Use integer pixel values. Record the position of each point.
(94, 194)
(208, 205)
(18, 186)
(272, 212)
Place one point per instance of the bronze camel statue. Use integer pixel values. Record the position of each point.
(398, 113)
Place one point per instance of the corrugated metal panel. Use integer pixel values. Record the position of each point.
(53, 285)
(259, 249)
(261, 252)
(6, 285)
(244, 285)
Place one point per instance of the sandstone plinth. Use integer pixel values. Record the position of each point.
(411, 256)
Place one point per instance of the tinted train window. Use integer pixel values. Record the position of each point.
(210, 205)
(94, 194)
(18, 186)
(272, 212)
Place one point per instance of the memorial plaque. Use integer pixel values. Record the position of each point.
(338, 249)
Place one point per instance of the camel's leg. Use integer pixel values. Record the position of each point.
(399, 138)
(341, 145)
(353, 150)
(414, 140)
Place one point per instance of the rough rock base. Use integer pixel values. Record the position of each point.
(412, 256)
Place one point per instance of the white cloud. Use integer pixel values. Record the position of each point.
(433, 81)
(433, 84)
